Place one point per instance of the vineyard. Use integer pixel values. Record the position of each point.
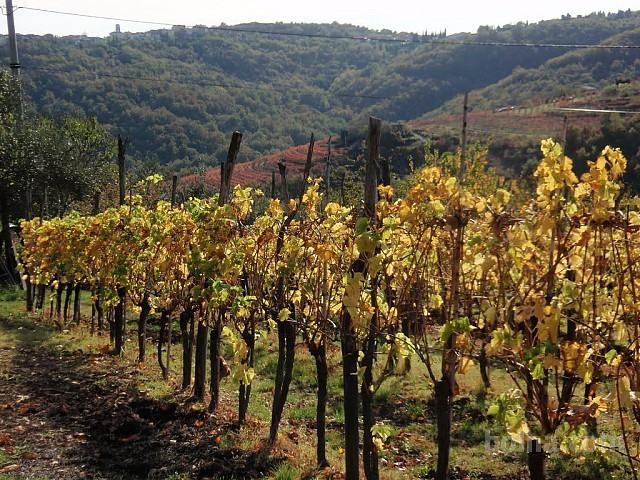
(511, 125)
(466, 274)
(537, 120)
(258, 172)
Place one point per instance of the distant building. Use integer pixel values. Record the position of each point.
(117, 33)
(154, 35)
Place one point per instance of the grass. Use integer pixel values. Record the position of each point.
(405, 403)
(593, 465)
(305, 412)
(422, 471)
(286, 471)
(11, 301)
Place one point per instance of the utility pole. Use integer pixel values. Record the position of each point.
(14, 62)
(14, 59)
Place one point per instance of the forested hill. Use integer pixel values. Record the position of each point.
(179, 93)
(421, 80)
(590, 72)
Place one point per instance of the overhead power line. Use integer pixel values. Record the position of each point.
(197, 83)
(341, 37)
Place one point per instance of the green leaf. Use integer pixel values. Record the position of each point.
(610, 356)
(361, 225)
(493, 410)
(459, 325)
(538, 372)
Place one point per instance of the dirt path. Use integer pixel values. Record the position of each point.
(70, 415)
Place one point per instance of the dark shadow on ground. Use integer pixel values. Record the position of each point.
(73, 415)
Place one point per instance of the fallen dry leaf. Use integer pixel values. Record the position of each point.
(28, 407)
(10, 468)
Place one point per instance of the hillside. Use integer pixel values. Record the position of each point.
(178, 94)
(274, 90)
(527, 105)
(423, 80)
(257, 172)
(513, 136)
(587, 73)
(514, 133)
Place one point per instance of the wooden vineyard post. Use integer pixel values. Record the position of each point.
(372, 178)
(227, 168)
(444, 387)
(286, 327)
(174, 189)
(273, 184)
(200, 373)
(463, 148)
(348, 335)
(282, 168)
(202, 340)
(39, 292)
(145, 310)
(120, 310)
(216, 330)
(96, 308)
(328, 172)
(186, 330)
(122, 148)
(166, 322)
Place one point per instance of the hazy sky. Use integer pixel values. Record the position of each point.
(403, 15)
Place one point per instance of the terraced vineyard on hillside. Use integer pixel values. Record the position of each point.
(258, 172)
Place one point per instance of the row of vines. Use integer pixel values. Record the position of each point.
(459, 273)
